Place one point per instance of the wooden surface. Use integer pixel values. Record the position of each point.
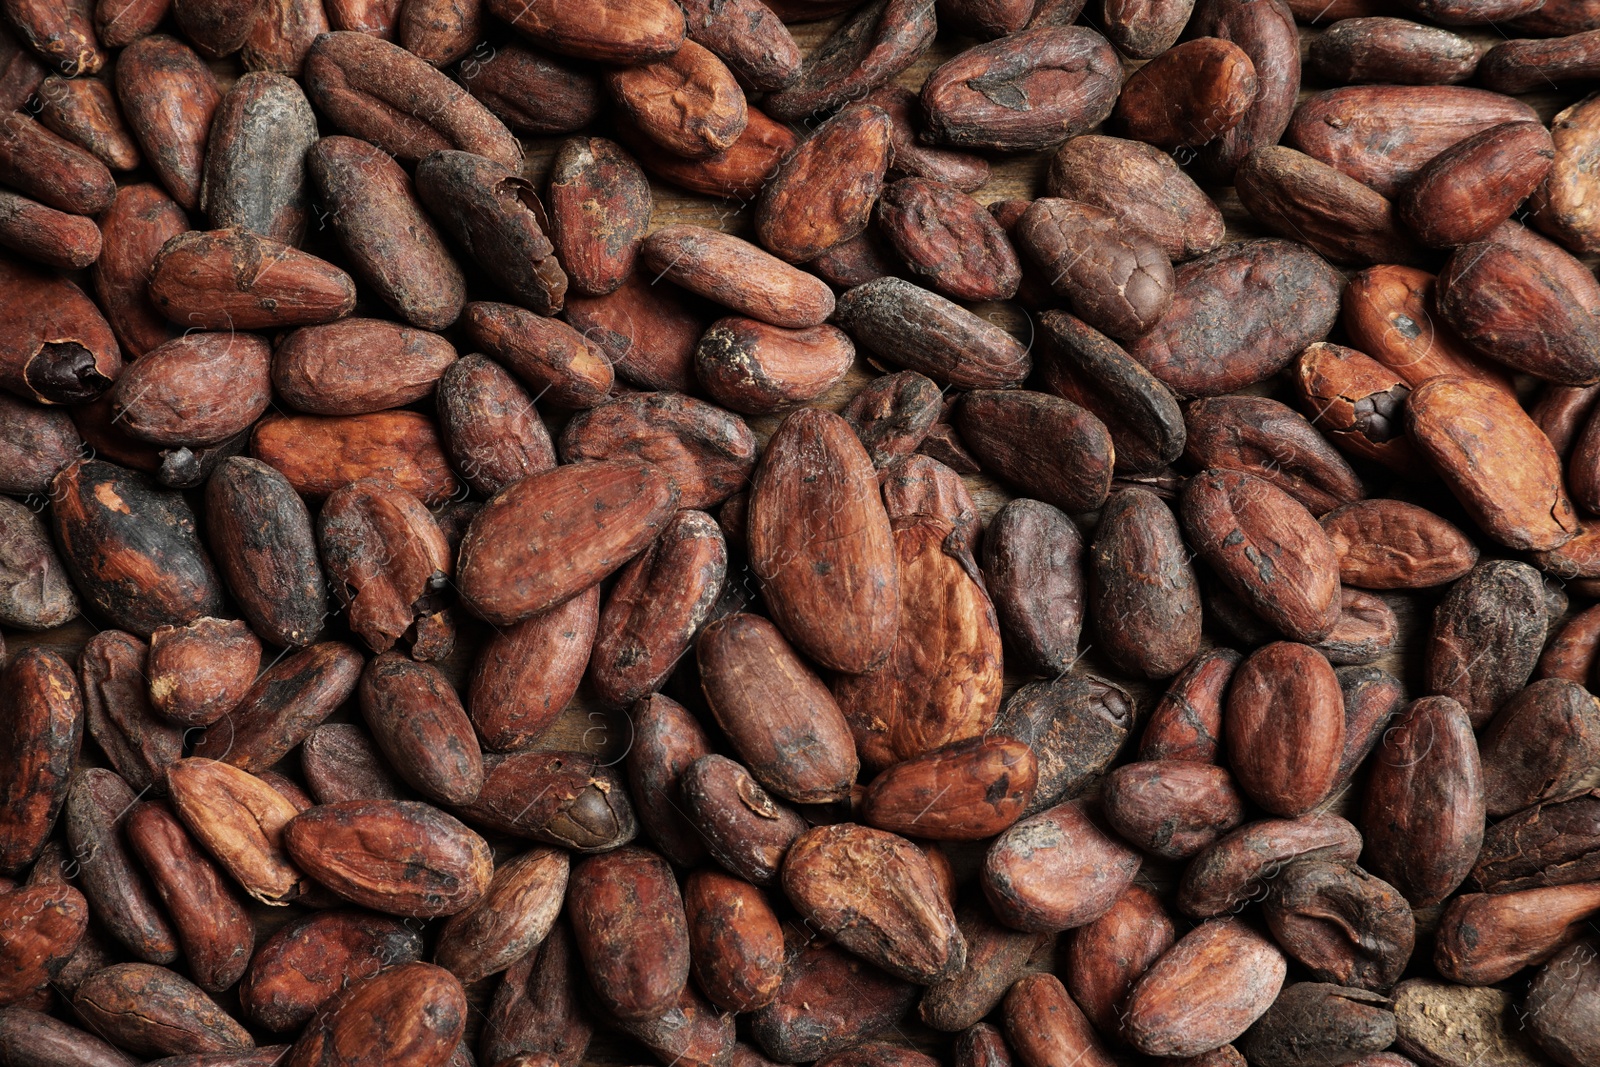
(587, 727)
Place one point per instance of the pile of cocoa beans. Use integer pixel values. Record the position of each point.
(892, 533)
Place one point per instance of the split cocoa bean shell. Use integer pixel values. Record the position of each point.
(578, 802)
(57, 348)
(137, 742)
(388, 559)
(1342, 923)
(495, 216)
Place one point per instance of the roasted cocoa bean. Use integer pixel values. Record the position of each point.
(1141, 185)
(305, 963)
(599, 204)
(869, 48)
(395, 856)
(496, 218)
(986, 97)
(1267, 549)
(1417, 122)
(629, 928)
(287, 700)
(1238, 316)
(1424, 807)
(1314, 1024)
(1391, 51)
(1343, 924)
(922, 331)
(543, 540)
(876, 894)
(152, 1011)
(1140, 413)
(1143, 595)
(379, 92)
(578, 802)
(1075, 726)
(1056, 870)
(841, 167)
